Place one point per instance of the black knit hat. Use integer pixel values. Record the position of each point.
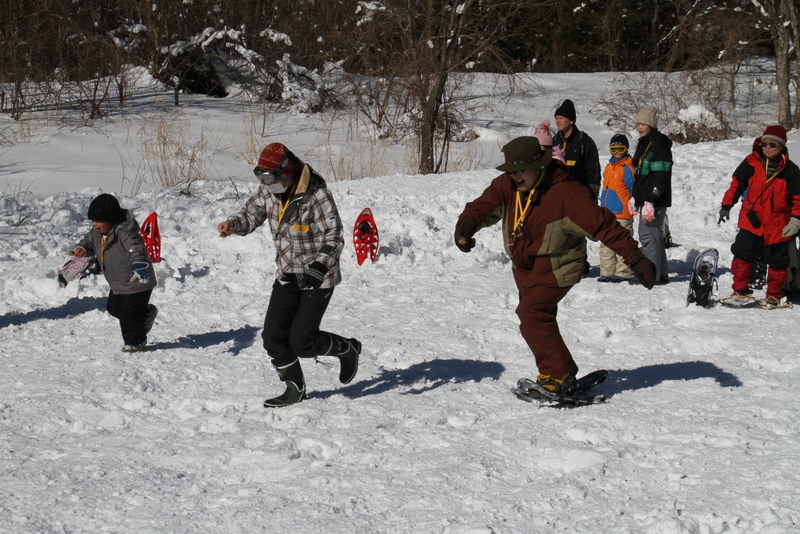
(619, 140)
(566, 110)
(105, 208)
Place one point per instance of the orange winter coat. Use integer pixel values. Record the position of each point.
(618, 186)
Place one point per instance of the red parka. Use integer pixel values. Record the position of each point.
(771, 189)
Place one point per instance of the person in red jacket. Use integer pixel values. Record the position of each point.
(548, 217)
(768, 184)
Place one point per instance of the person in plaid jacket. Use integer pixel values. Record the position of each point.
(307, 230)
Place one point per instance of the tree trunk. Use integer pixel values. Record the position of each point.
(783, 43)
(789, 13)
(430, 115)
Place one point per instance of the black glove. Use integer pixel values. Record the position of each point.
(645, 271)
(464, 232)
(314, 276)
(724, 214)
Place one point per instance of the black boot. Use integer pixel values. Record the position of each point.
(292, 375)
(348, 351)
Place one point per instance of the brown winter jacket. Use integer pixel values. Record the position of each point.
(551, 248)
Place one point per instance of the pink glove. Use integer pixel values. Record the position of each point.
(648, 212)
(559, 154)
(632, 206)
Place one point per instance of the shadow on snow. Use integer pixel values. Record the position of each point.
(652, 375)
(242, 338)
(421, 377)
(68, 309)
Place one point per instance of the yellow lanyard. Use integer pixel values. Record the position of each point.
(521, 212)
(102, 249)
(284, 204)
(766, 172)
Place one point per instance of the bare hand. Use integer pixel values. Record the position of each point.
(226, 228)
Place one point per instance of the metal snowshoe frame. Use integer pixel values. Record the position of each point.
(703, 282)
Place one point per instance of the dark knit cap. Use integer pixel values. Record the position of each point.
(566, 110)
(105, 208)
(525, 153)
(775, 133)
(619, 140)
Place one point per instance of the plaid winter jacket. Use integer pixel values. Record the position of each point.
(305, 225)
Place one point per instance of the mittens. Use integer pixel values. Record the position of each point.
(632, 206)
(463, 237)
(648, 212)
(139, 272)
(645, 271)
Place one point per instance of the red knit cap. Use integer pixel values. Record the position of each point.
(775, 133)
(273, 156)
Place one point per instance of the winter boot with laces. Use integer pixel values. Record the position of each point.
(292, 375)
(348, 351)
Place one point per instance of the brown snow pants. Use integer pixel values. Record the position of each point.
(537, 310)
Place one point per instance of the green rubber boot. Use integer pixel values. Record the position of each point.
(292, 375)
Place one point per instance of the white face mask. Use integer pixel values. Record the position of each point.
(277, 188)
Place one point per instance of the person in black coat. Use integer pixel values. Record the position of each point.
(652, 189)
(582, 159)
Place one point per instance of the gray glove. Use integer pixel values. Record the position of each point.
(792, 228)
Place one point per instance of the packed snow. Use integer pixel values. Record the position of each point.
(699, 435)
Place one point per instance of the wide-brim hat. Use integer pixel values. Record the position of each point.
(525, 153)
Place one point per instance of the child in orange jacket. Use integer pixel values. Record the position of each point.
(617, 190)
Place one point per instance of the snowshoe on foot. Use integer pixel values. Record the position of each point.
(775, 301)
(740, 298)
(575, 393)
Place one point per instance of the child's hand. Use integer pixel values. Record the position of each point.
(139, 273)
(226, 228)
(78, 252)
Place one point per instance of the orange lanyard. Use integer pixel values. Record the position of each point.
(102, 249)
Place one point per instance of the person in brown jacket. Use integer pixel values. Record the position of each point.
(546, 219)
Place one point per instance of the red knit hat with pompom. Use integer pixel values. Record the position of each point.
(274, 155)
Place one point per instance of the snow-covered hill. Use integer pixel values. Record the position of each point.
(700, 434)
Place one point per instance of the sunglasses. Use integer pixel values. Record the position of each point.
(618, 149)
(770, 144)
(518, 173)
(270, 176)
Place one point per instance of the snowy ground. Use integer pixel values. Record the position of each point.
(700, 434)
